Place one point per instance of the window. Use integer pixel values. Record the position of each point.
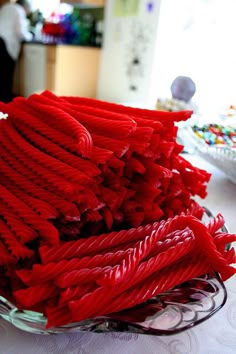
(196, 39)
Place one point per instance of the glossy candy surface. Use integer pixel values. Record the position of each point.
(90, 227)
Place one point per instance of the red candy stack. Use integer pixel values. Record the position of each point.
(96, 208)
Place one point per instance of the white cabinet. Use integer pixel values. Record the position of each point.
(34, 68)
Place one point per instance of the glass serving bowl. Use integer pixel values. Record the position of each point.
(220, 156)
(171, 312)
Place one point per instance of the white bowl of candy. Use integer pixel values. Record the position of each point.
(215, 143)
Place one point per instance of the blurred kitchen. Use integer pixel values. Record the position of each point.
(63, 55)
(130, 51)
(92, 48)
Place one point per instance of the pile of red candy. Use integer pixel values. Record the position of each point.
(96, 208)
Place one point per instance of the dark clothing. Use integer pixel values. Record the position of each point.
(7, 67)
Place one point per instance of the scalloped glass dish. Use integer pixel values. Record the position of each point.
(174, 311)
(171, 312)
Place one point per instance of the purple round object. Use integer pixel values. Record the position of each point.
(183, 88)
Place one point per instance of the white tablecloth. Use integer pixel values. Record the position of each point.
(215, 336)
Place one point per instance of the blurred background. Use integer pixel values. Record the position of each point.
(130, 51)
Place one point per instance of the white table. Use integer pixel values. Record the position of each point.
(215, 336)
(221, 196)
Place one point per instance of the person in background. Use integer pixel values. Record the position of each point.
(13, 30)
